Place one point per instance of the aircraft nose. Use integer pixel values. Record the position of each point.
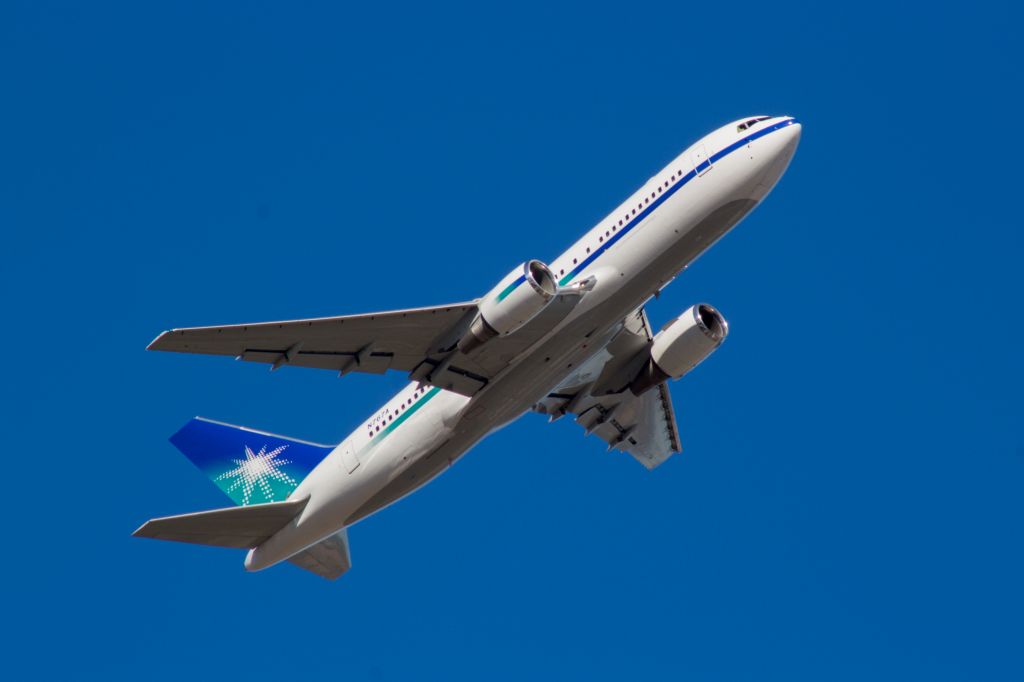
(789, 138)
(778, 147)
(795, 130)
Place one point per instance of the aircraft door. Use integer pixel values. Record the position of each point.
(349, 459)
(701, 159)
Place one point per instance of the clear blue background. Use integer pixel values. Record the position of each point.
(848, 505)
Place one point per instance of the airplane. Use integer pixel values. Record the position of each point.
(566, 338)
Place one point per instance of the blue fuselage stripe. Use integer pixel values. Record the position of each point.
(663, 197)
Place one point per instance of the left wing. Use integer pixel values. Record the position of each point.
(645, 425)
(421, 342)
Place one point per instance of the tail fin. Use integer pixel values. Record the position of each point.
(251, 467)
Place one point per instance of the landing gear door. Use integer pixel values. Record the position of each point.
(349, 459)
(701, 160)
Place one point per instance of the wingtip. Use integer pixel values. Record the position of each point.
(138, 532)
(154, 344)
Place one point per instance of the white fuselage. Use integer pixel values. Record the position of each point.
(631, 254)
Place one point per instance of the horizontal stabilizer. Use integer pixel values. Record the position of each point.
(328, 558)
(241, 527)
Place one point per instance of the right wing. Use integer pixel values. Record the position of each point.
(644, 425)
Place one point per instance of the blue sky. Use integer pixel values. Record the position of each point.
(848, 504)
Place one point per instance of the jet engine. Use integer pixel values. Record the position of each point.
(516, 300)
(681, 345)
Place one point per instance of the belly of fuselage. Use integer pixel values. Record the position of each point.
(662, 257)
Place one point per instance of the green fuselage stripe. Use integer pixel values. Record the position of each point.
(511, 287)
(401, 418)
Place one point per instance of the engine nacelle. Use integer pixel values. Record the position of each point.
(681, 345)
(516, 300)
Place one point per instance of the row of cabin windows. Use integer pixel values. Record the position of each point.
(371, 429)
(639, 207)
(600, 239)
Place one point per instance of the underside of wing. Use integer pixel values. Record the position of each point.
(372, 343)
(645, 425)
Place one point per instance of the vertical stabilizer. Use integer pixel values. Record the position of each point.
(251, 467)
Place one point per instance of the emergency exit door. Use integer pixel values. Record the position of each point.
(349, 459)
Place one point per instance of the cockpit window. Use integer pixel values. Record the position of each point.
(749, 122)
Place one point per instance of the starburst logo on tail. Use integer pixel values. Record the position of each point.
(259, 471)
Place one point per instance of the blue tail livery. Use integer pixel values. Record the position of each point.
(251, 467)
